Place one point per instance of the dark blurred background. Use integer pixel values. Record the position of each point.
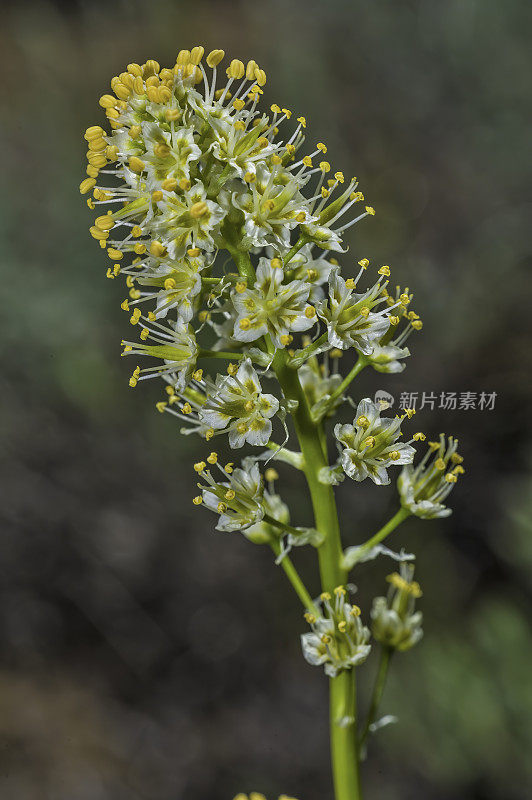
(144, 655)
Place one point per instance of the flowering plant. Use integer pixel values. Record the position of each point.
(225, 228)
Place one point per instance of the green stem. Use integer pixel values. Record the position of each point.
(378, 689)
(220, 354)
(359, 366)
(295, 249)
(282, 526)
(294, 578)
(344, 750)
(385, 531)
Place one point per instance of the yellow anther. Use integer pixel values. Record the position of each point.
(144, 334)
(212, 458)
(160, 406)
(350, 283)
(434, 446)
(232, 369)
(395, 455)
(322, 147)
(370, 210)
(364, 311)
(310, 618)
(199, 466)
(250, 177)
(236, 69)
(324, 596)
(193, 252)
(302, 121)
(325, 166)
(229, 467)
(196, 54)
(136, 315)
(134, 69)
(198, 500)
(271, 474)
(242, 427)
(342, 626)
(325, 638)
(115, 254)
(221, 508)
(288, 114)
(151, 67)
(107, 101)
(104, 223)
(187, 409)
(419, 437)
(440, 464)
(139, 248)
(385, 270)
(245, 324)
(199, 209)
(157, 196)
(362, 422)
(138, 85)
(172, 114)
(124, 305)
(230, 494)
(151, 316)
(86, 185)
(458, 470)
(161, 150)
(370, 441)
(238, 104)
(286, 339)
(355, 611)
(275, 159)
(133, 382)
(410, 412)
(170, 283)
(417, 324)
(456, 458)
(394, 320)
(336, 353)
(310, 312)
(209, 434)
(240, 287)
(339, 176)
(136, 165)
(94, 132)
(214, 57)
(307, 161)
(122, 91)
(364, 263)
(157, 249)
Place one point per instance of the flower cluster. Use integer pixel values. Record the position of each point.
(338, 639)
(395, 623)
(424, 488)
(370, 445)
(225, 226)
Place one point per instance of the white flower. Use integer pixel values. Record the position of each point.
(315, 271)
(349, 317)
(168, 153)
(175, 284)
(187, 220)
(238, 500)
(238, 405)
(424, 488)
(176, 348)
(370, 444)
(271, 206)
(262, 532)
(395, 623)
(272, 307)
(338, 640)
(388, 354)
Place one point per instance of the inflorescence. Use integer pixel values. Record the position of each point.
(224, 224)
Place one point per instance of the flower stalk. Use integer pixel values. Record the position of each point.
(225, 225)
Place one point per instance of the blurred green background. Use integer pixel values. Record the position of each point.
(144, 655)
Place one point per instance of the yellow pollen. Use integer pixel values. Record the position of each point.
(370, 210)
(364, 262)
(245, 324)
(136, 165)
(271, 474)
(363, 422)
(439, 464)
(310, 312)
(197, 500)
(212, 458)
(214, 57)
(199, 209)
(229, 467)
